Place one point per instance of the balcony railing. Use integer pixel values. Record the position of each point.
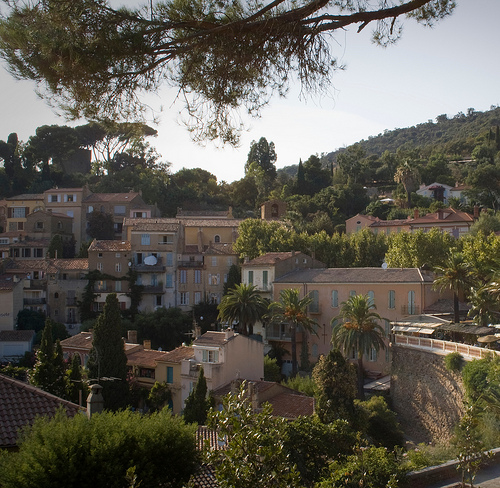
(152, 268)
(154, 289)
(190, 264)
(35, 301)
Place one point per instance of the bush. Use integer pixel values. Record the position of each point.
(454, 361)
(62, 452)
(475, 377)
(272, 371)
(304, 384)
(425, 455)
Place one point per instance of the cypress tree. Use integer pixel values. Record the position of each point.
(197, 404)
(108, 362)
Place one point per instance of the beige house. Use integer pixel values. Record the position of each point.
(44, 224)
(19, 207)
(273, 210)
(397, 293)
(11, 301)
(224, 356)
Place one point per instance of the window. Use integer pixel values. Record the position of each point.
(184, 298)
(392, 299)
(70, 198)
(229, 262)
(26, 252)
(139, 279)
(118, 267)
(65, 276)
(119, 209)
(154, 280)
(38, 253)
(183, 276)
(118, 227)
(158, 300)
(18, 212)
(352, 293)
(169, 280)
(170, 374)
(335, 298)
(170, 259)
(4, 240)
(56, 295)
(314, 305)
(197, 297)
(90, 209)
(387, 327)
(70, 213)
(118, 286)
(39, 225)
(373, 355)
(214, 279)
(100, 254)
(99, 266)
(54, 198)
(168, 239)
(250, 277)
(371, 296)
(214, 260)
(197, 275)
(139, 215)
(217, 238)
(138, 258)
(145, 239)
(264, 279)
(210, 356)
(101, 285)
(314, 350)
(56, 312)
(411, 302)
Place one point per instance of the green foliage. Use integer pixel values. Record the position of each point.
(165, 327)
(159, 396)
(371, 467)
(303, 383)
(18, 372)
(255, 453)
(30, 320)
(425, 455)
(477, 379)
(134, 293)
(85, 306)
(244, 305)
(454, 361)
(311, 445)
(100, 225)
(59, 332)
(233, 278)
(382, 427)
(205, 313)
(49, 371)
(197, 404)
(76, 388)
(272, 372)
(486, 224)
(55, 247)
(335, 380)
(107, 356)
(64, 451)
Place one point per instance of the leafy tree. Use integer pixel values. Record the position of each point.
(485, 307)
(254, 453)
(316, 178)
(108, 362)
(311, 445)
(408, 175)
(55, 247)
(242, 304)
(262, 154)
(134, 293)
(485, 182)
(100, 225)
(381, 425)
(76, 389)
(159, 396)
(335, 380)
(454, 275)
(272, 372)
(487, 223)
(62, 451)
(85, 306)
(49, 372)
(357, 328)
(30, 320)
(205, 313)
(233, 278)
(221, 55)
(482, 253)
(292, 310)
(197, 404)
(167, 328)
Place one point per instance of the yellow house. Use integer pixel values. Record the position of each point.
(19, 207)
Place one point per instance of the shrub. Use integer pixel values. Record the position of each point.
(272, 371)
(454, 361)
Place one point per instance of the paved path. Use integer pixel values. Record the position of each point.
(488, 477)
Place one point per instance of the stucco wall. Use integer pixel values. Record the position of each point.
(426, 396)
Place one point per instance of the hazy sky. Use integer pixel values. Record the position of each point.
(429, 72)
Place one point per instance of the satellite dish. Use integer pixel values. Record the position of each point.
(384, 265)
(129, 264)
(150, 260)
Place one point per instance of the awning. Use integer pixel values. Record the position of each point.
(426, 331)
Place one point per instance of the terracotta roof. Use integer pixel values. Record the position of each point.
(211, 338)
(211, 222)
(53, 190)
(109, 245)
(204, 478)
(220, 248)
(81, 264)
(31, 243)
(7, 285)
(205, 436)
(47, 212)
(273, 258)
(152, 225)
(445, 305)
(16, 335)
(260, 386)
(83, 340)
(49, 265)
(356, 275)
(390, 223)
(21, 403)
(291, 406)
(111, 197)
(27, 196)
(201, 213)
(178, 354)
(444, 215)
(144, 357)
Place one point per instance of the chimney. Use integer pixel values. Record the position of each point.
(95, 401)
(132, 336)
(476, 212)
(147, 344)
(440, 214)
(415, 213)
(228, 333)
(197, 331)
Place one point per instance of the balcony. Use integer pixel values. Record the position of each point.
(190, 264)
(35, 301)
(71, 302)
(150, 268)
(154, 289)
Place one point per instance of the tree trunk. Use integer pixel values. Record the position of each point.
(293, 338)
(456, 310)
(361, 378)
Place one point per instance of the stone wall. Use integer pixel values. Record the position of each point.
(426, 396)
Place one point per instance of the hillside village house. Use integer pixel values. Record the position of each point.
(455, 222)
(442, 192)
(11, 301)
(397, 293)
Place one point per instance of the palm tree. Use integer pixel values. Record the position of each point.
(242, 304)
(292, 310)
(409, 176)
(357, 328)
(484, 306)
(455, 275)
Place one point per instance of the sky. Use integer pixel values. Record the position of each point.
(443, 70)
